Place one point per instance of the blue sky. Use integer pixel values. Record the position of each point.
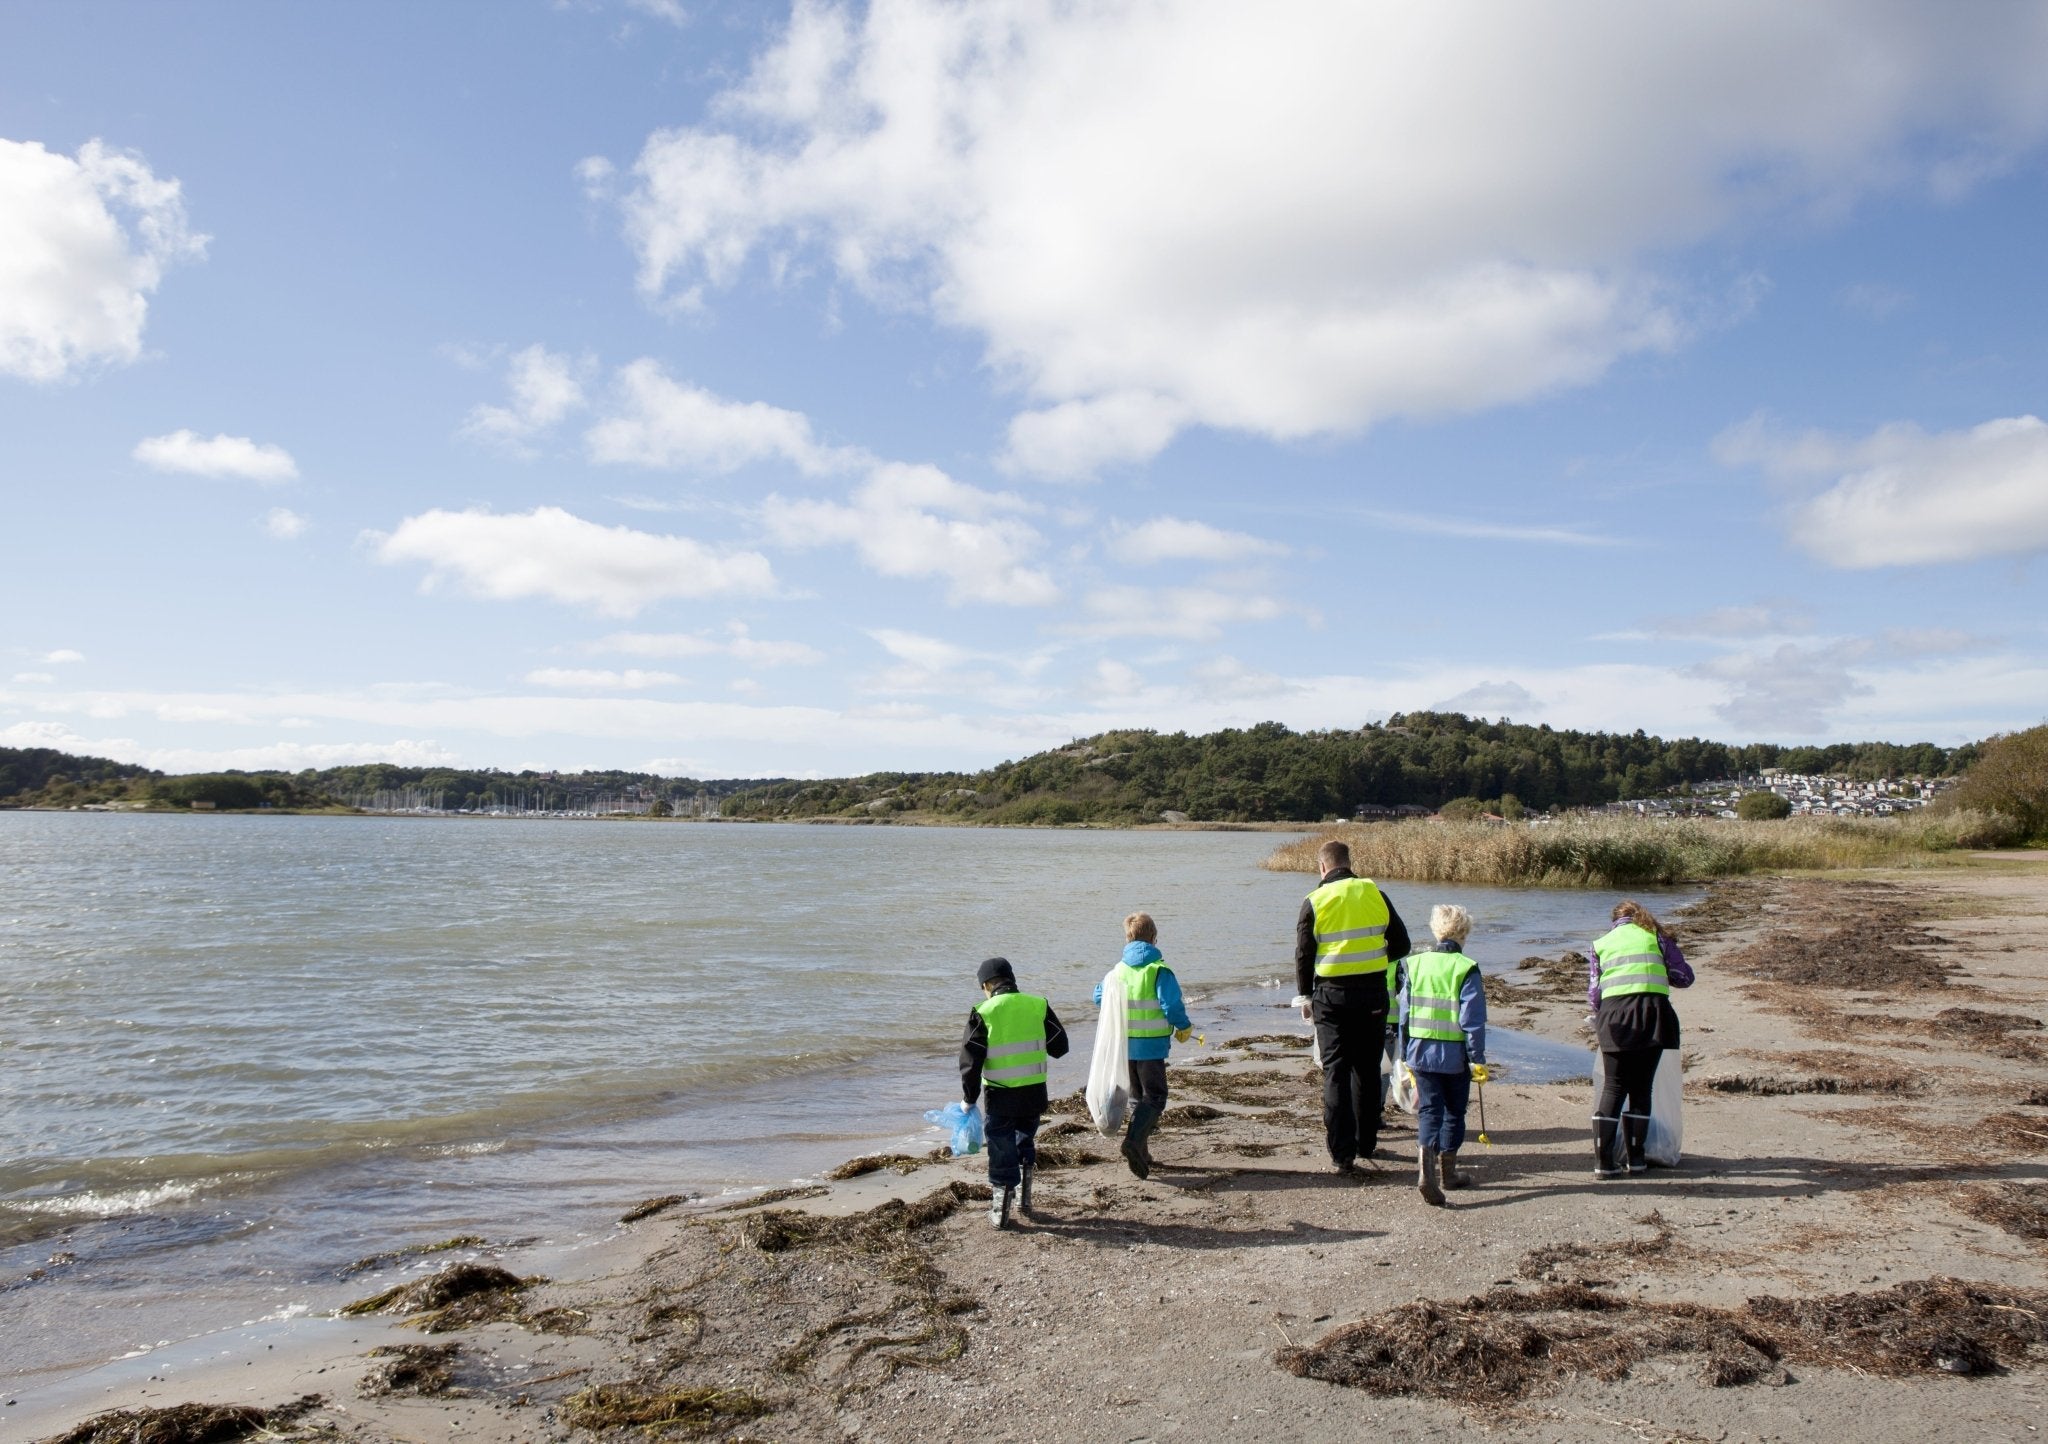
(734, 390)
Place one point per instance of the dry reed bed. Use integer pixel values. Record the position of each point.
(1623, 851)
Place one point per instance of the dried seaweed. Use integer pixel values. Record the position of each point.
(186, 1423)
(457, 1297)
(874, 1163)
(655, 1410)
(1495, 1348)
(1275, 1040)
(647, 1208)
(416, 1369)
(2019, 1209)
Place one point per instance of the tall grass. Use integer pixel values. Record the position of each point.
(1616, 851)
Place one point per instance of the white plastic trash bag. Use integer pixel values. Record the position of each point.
(1667, 1129)
(1109, 1072)
(1404, 1086)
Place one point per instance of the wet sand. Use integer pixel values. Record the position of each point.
(1866, 1113)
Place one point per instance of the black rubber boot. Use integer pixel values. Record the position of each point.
(1608, 1161)
(1137, 1149)
(1024, 1189)
(1635, 1129)
(999, 1206)
(1452, 1178)
(1425, 1176)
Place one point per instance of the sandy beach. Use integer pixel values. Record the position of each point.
(1856, 1241)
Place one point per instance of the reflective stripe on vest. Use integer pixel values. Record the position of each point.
(1630, 962)
(1016, 1037)
(1351, 928)
(1143, 1017)
(1434, 981)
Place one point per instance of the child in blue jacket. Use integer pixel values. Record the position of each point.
(1443, 1041)
(1155, 1016)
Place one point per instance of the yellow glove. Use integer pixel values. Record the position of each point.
(1181, 1035)
(1478, 1072)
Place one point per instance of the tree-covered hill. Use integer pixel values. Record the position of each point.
(1269, 773)
(44, 772)
(1261, 773)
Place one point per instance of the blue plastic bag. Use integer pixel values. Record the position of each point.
(965, 1123)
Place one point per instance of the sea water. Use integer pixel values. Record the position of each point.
(237, 1053)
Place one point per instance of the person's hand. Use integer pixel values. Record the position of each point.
(1478, 1072)
(1181, 1035)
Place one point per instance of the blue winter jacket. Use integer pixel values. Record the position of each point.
(1142, 955)
(1440, 1055)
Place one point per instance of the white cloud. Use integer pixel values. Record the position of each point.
(1787, 690)
(595, 680)
(1170, 538)
(1224, 677)
(83, 244)
(283, 524)
(547, 552)
(1192, 613)
(273, 757)
(1490, 699)
(1917, 498)
(63, 656)
(1726, 623)
(1400, 210)
(1485, 530)
(1932, 641)
(654, 421)
(545, 388)
(929, 654)
(915, 521)
(739, 643)
(196, 455)
(1113, 681)
(35, 676)
(1078, 438)
(669, 10)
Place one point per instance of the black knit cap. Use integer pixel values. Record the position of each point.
(995, 968)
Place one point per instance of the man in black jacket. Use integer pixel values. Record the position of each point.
(1030, 1033)
(1345, 940)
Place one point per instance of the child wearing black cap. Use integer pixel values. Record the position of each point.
(1009, 1038)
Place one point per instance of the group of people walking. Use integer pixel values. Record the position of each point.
(1368, 992)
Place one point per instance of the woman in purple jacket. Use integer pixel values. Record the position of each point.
(1634, 967)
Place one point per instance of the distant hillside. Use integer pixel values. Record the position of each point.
(44, 772)
(1269, 773)
(1256, 774)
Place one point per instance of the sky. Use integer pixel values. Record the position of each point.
(729, 390)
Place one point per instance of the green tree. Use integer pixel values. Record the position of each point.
(1762, 807)
(2011, 777)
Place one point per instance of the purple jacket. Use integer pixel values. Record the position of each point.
(1677, 970)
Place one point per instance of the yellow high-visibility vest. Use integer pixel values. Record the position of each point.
(1016, 1040)
(1631, 961)
(1351, 928)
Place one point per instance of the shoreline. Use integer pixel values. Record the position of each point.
(1837, 1139)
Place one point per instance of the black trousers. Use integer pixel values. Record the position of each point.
(1629, 1076)
(1351, 1032)
(1148, 1081)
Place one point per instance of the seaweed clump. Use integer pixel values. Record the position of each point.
(1575, 1262)
(657, 1410)
(422, 1370)
(457, 1297)
(187, 1423)
(649, 1207)
(875, 1163)
(2017, 1209)
(1495, 1348)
